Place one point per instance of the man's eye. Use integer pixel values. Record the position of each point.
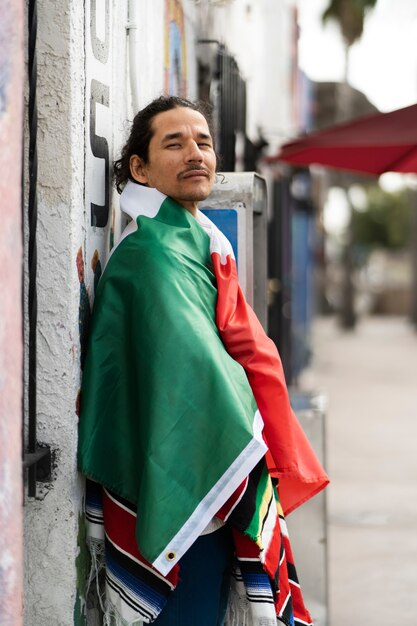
(173, 145)
(204, 145)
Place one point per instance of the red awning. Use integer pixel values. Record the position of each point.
(385, 142)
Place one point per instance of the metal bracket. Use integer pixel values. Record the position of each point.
(39, 466)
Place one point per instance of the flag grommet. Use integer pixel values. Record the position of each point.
(170, 556)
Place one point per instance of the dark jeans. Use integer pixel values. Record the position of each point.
(200, 598)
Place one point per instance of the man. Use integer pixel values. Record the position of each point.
(185, 415)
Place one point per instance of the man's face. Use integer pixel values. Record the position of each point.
(181, 162)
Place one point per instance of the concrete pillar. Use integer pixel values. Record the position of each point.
(11, 94)
(53, 553)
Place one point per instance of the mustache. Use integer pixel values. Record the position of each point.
(194, 168)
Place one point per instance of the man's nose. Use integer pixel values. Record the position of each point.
(194, 153)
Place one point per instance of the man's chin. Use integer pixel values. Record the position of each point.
(196, 195)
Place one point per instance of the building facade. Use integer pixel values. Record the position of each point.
(97, 63)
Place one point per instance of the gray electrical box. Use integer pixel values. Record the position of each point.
(307, 525)
(238, 207)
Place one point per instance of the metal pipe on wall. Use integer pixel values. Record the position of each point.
(133, 35)
(32, 251)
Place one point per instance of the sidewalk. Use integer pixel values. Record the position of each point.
(370, 378)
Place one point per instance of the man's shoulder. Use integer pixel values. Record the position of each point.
(140, 250)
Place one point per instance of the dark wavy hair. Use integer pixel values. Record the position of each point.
(142, 132)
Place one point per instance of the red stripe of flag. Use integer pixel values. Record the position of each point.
(290, 457)
(120, 526)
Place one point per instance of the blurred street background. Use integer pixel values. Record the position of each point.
(362, 347)
(371, 432)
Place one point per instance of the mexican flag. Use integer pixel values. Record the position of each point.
(182, 391)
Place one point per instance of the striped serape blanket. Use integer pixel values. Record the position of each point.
(264, 580)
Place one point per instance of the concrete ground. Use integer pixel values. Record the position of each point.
(370, 378)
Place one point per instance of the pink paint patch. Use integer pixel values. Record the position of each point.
(11, 87)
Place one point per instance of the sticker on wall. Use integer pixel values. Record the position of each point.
(175, 59)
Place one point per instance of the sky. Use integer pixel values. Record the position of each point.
(383, 64)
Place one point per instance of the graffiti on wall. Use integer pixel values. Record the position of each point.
(98, 148)
(175, 59)
(99, 214)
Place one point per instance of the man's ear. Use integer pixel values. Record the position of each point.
(138, 169)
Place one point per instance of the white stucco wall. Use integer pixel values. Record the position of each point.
(51, 520)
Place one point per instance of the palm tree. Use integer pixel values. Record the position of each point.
(350, 15)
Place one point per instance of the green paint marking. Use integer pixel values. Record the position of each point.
(82, 566)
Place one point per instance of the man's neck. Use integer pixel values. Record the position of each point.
(191, 207)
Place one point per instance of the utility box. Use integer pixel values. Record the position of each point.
(238, 207)
(307, 525)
